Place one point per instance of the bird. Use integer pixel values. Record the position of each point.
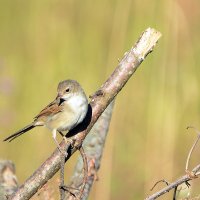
(63, 114)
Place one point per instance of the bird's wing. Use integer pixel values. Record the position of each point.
(51, 109)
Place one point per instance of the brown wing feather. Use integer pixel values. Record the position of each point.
(50, 109)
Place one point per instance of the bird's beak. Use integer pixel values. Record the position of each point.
(58, 96)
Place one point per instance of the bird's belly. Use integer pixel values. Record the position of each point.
(62, 121)
(68, 118)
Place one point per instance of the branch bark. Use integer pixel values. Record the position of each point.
(8, 179)
(99, 101)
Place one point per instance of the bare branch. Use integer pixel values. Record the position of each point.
(98, 104)
(171, 186)
(190, 175)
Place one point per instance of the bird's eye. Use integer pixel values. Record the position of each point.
(67, 90)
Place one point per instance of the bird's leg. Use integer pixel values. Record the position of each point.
(63, 135)
(57, 144)
(67, 140)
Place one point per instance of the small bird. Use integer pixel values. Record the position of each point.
(63, 114)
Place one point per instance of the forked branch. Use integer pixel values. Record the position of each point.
(107, 92)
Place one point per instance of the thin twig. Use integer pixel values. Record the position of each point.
(85, 171)
(174, 195)
(62, 172)
(68, 188)
(190, 175)
(163, 181)
(192, 148)
(62, 177)
(171, 186)
(196, 169)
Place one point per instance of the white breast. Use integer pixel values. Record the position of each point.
(79, 107)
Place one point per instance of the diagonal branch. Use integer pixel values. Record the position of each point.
(190, 175)
(179, 181)
(98, 104)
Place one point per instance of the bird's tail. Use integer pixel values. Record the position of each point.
(20, 132)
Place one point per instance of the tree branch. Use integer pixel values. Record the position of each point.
(173, 185)
(98, 104)
(190, 175)
(8, 179)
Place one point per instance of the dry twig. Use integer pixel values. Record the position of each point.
(192, 148)
(190, 175)
(85, 172)
(163, 181)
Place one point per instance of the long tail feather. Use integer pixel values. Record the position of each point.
(20, 132)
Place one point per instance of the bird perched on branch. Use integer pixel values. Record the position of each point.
(63, 114)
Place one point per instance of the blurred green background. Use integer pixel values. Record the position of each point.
(44, 42)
